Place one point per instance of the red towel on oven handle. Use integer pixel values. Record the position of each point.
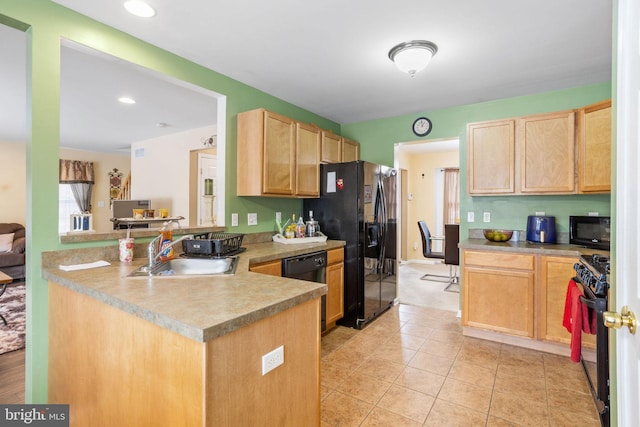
(576, 319)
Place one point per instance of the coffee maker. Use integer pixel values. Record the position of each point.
(541, 229)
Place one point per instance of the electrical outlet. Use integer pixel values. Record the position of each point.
(471, 217)
(272, 360)
(593, 214)
(234, 219)
(486, 217)
(252, 219)
(540, 213)
(279, 217)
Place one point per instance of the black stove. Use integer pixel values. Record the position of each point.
(593, 271)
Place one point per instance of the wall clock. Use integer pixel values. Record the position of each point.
(422, 126)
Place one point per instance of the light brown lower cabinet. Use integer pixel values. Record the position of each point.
(555, 274)
(335, 286)
(116, 369)
(520, 295)
(498, 292)
(272, 268)
(334, 281)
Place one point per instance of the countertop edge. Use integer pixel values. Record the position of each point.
(559, 249)
(265, 252)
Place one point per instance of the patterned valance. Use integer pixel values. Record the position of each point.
(76, 171)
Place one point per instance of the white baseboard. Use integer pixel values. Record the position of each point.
(540, 345)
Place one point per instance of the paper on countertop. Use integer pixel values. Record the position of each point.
(94, 264)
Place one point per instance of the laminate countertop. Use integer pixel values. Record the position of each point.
(198, 307)
(557, 249)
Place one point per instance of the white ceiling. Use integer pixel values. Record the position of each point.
(330, 57)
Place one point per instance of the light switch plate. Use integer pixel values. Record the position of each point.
(252, 219)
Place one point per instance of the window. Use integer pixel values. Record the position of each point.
(66, 206)
(451, 196)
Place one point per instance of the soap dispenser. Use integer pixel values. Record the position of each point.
(166, 248)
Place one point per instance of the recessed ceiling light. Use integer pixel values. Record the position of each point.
(126, 100)
(139, 8)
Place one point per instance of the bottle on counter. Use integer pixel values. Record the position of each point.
(300, 227)
(290, 230)
(166, 250)
(311, 226)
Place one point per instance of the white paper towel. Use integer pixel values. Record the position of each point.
(94, 264)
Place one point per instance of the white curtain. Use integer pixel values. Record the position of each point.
(79, 175)
(451, 196)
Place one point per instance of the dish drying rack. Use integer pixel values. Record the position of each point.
(213, 244)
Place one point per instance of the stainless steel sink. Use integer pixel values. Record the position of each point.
(190, 267)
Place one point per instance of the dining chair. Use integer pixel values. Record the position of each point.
(452, 255)
(427, 250)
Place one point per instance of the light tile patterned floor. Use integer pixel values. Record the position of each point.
(413, 367)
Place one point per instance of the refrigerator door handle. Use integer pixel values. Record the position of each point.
(381, 200)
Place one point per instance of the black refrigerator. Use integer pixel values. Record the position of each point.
(357, 204)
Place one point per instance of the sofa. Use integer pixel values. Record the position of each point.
(12, 250)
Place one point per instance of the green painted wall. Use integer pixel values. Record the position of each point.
(46, 23)
(377, 139)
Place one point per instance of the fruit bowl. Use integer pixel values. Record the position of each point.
(497, 235)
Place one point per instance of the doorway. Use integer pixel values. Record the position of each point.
(207, 189)
(422, 165)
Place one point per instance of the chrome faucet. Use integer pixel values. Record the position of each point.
(153, 250)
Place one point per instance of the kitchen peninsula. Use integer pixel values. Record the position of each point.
(185, 350)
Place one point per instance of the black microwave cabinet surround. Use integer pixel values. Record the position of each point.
(590, 231)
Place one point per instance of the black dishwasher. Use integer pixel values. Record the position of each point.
(310, 267)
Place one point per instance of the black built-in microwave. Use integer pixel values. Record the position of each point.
(590, 231)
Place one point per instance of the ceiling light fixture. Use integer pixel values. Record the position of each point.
(139, 9)
(413, 56)
(126, 100)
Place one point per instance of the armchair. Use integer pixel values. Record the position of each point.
(12, 254)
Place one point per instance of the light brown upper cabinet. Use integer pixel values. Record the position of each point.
(594, 148)
(547, 154)
(307, 160)
(350, 150)
(270, 146)
(331, 151)
(491, 157)
(537, 154)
